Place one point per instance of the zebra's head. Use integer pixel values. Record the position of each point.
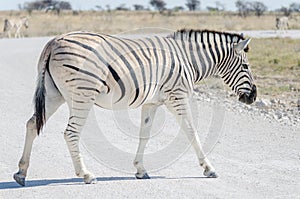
(238, 74)
(25, 22)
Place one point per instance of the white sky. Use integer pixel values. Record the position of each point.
(90, 4)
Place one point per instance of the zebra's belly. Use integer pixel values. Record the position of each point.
(113, 101)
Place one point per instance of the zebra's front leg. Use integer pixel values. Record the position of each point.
(72, 133)
(181, 110)
(148, 112)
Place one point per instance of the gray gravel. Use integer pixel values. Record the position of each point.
(255, 149)
(285, 112)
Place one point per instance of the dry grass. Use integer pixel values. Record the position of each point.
(276, 63)
(48, 24)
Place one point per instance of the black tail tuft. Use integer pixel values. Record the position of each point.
(39, 98)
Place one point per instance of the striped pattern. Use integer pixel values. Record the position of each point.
(12, 26)
(83, 69)
(131, 72)
(282, 23)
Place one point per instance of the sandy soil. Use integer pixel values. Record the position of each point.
(255, 158)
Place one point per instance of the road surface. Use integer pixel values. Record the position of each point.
(254, 158)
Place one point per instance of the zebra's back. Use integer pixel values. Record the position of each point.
(115, 72)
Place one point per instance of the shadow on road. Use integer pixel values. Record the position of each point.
(70, 181)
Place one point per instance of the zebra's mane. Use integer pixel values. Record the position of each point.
(191, 34)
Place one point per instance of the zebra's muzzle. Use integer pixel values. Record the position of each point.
(248, 98)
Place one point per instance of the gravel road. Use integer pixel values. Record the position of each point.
(254, 155)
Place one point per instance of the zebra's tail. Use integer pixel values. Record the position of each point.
(40, 92)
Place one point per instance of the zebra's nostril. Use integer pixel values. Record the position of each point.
(248, 98)
(254, 92)
(254, 87)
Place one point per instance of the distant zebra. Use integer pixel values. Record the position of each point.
(282, 23)
(14, 26)
(83, 69)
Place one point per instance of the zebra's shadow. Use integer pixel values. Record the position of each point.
(58, 182)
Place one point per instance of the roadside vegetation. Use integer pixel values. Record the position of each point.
(276, 63)
(114, 22)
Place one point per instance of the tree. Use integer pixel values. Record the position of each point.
(286, 11)
(244, 7)
(212, 9)
(47, 4)
(193, 4)
(64, 5)
(138, 7)
(259, 8)
(295, 7)
(122, 7)
(178, 8)
(99, 7)
(158, 4)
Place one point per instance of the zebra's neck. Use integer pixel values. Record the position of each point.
(208, 50)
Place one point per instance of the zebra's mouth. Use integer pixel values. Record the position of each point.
(248, 98)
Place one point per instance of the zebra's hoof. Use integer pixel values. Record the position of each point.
(142, 176)
(20, 179)
(89, 179)
(210, 174)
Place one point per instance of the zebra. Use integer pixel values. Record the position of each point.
(282, 23)
(85, 69)
(15, 26)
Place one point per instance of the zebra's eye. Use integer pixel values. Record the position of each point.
(245, 66)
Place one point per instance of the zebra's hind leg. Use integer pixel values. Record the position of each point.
(31, 134)
(53, 101)
(148, 112)
(78, 116)
(181, 110)
(9, 34)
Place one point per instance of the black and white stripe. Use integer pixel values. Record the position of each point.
(83, 68)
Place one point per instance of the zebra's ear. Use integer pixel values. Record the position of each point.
(242, 45)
